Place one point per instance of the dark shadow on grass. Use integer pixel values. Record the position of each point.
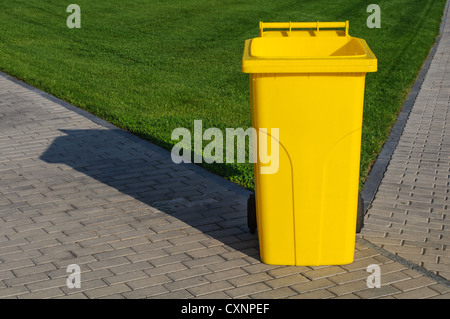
(146, 172)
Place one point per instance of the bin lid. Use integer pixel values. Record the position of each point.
(307, 47)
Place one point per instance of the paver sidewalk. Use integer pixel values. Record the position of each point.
(76, 190)
(409, 216)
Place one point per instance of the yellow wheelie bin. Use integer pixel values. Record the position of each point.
(307, 86)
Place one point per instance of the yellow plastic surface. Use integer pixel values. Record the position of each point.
(307, 51)
(311, 87)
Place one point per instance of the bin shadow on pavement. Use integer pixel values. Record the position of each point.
(131, 166)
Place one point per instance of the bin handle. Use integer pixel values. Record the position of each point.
(303, 25)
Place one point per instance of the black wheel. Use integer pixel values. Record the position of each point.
(251, 213)
(360, 214)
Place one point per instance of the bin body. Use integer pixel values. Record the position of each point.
(313, 92)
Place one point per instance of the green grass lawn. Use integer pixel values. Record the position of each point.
(150, 66)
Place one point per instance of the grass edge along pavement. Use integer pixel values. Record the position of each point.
(379, 166)
(136, 68)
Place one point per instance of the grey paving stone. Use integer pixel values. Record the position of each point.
(140, 226)
(425, 170)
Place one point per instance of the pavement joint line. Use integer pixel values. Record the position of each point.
(379, 168)
(380, 165)
(221, 181)
(243, 192)
(404, 262)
